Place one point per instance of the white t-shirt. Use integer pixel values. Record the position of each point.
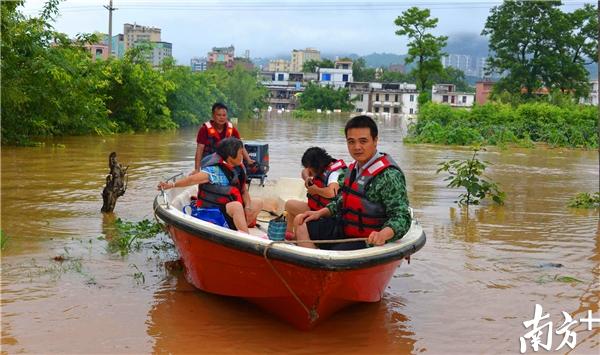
(333, 177)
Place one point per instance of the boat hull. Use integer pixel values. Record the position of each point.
(311, 295)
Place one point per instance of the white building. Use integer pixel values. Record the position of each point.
(447, 94)
(336, 78)
(384, 98)
(280, 65)
(592, 99)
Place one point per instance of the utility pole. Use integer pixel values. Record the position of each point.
(110, 9)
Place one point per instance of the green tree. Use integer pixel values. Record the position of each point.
(424, 49)
(454, 76)
(310, 66)
(326, 98)
(537, 45)
(360, 72)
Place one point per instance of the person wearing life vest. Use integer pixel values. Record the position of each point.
(320, 175)
(222, 184)
(212, 132)
(373, 203)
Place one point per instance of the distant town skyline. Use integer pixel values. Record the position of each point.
(272, 28)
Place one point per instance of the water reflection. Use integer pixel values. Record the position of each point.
(185, 320)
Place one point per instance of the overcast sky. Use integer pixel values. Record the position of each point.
(272, 28)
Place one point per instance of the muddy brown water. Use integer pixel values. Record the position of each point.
(467, 291)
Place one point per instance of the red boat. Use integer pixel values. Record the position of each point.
(299, 285)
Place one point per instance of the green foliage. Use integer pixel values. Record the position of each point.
(361, 73)
(551, 278)
(3, 240)
(310, 66)
(424, 49)
(537, 45)
(130, 235)
(468, 174)
(50, 85)
(325, 98)
(585, 200)
(498, 124)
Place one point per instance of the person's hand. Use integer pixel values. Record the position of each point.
(308, 182)
(195, 171)
(165, 185)
(379, 238)
(312, 189)
(306, 217)
(250, 162)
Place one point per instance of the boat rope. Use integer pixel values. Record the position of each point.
(313, 315)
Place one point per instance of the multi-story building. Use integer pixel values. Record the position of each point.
(118, 45)
(198, 64)
(384, 98)
(137, 33)
(280, 65)
(592, 98)
(483, 89)
(222, 55)
(284, 88)
(98, 50)
(470, 65)
(447, 94)
(160, 51)
(299, 57)
(337, 76)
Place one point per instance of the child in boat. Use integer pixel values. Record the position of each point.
(320, 174)
(222, 184)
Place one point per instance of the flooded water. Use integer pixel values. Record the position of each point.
(469, 290)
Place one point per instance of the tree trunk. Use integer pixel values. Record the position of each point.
(116, 183)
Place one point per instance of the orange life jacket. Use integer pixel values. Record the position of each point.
(316, 201)
(214, 137)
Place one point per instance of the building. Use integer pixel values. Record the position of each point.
(198, 64)
(470, 65)
(222, 55)
(118, 45)
(284, 88)
(337, 76)
(447, 94)
(483, 89)
(135, 33)
(279, 65)
(299, 57)
(160, 51)
(592, 98)
(98, 50)
(384, 98)
(396, 68)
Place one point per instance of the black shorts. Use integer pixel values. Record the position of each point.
(327, 229)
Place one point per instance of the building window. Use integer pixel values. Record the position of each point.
(396, 98)
(464, 100)
(345, 77)
(396, 110)
(411, 111)
(326, 77)
(279, 77)
(445, 98)
(412, 98)
(387, 97)
(386, 109)
(376, 109)
(376, 97)
(98, 52)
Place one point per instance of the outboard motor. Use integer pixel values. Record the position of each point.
(260, 154)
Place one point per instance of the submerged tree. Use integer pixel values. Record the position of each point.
(424, 49)
(468, 174)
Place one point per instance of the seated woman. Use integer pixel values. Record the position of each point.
(320, 174)
(222, 184)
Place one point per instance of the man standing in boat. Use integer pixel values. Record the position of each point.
(373, 203)
(212, 132)
(222, 184)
